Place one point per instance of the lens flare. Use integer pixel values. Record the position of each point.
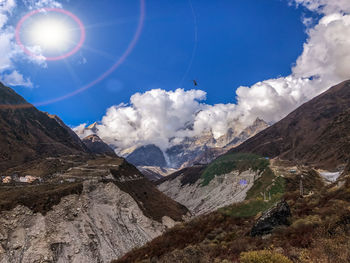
(82, 38)
(50, 33)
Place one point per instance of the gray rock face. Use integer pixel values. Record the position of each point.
(205, 148)
(275, 216)
(99, 225)
(223, 190)
(149, 155)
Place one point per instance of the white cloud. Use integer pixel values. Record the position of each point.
(7, 45)
(6, 49)
(327, 51)
(152, 117)
(6, 6)
(325, 61)
(35, 4)
(16, 79)
(326, 6)
(82, 131)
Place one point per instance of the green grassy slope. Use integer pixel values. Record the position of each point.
(229, 162)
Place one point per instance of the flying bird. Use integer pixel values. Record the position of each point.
(195, 83)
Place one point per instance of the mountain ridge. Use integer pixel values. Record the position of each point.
(27, 133)
(300, 137)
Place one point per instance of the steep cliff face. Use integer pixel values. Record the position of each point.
(92, 212)
(98, 225)
(186, 188)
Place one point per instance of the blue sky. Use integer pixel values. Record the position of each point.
(238, 43)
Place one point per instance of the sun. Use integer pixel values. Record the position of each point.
(50, 34)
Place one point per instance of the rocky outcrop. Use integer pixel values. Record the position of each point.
(205, 148)
(100, 224)
(89, 211)
(233, 137)
(187, 189)
(275, 216)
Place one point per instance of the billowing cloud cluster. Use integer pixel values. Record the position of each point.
(157, 116)
(10, 53)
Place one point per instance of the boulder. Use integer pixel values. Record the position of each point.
(275, 216)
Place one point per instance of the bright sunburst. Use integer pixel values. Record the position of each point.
(50, 34)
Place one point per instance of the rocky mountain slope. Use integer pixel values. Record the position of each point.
(92, 212)
(226, 142)
(205, 148)
(205, 188)
(148, 155)
(155, 173)
(59, 202)
(285, 227)
(27, 133)
(97, 146)
(221, 191)
(317, 133)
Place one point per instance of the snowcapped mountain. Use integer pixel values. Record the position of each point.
(188, 151)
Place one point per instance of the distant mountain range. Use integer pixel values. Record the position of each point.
(191, 150)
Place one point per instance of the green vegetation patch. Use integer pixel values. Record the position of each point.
(236, 161)
(267, 183)
(274, 188)
(249, 208)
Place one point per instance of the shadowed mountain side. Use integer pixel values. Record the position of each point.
(149, 155)
(190, 175)
(97, 146)
(27, 133)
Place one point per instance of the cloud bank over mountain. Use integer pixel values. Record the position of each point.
(158, 115)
